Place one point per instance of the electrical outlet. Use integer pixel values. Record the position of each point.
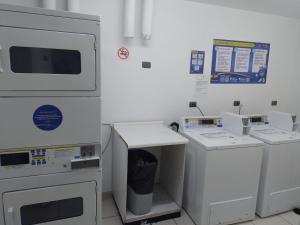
(274, 103)
(193, 104)
(146, 65)
(236, 103)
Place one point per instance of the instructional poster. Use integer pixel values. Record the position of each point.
(238, 62)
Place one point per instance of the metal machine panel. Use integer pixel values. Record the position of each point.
(280, 184)
(38, 60)
(234, 211)
(281, 120)
(47, 160)
(58, 205)
(80, 122)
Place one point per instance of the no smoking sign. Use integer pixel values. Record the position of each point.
(123, 53)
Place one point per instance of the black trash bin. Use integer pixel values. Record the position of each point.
(142, 167)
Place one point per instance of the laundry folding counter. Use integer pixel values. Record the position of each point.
(168, 147)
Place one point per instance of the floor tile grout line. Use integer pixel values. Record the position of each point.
(285, 220)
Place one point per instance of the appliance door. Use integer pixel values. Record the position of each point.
(39, 60)
(73, 204)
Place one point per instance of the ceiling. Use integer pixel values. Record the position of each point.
(287, 8)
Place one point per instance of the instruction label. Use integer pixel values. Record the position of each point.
(241, 62)
(47, 117)
(197, 62)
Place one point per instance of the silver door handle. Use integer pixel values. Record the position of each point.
(10, 216)
(1, 68)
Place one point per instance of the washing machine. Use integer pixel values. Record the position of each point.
(279, 189)
(222, 173)
(50, 121)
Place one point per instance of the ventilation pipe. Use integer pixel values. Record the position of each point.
(74, 5)
(147, 19)
(49, 4)
(129, 18)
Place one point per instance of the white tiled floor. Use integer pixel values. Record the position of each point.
(110, 217)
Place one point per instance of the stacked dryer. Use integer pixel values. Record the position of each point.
(280, 181)
(50, 167)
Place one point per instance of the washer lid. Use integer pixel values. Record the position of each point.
(273, 135)
(219, 138)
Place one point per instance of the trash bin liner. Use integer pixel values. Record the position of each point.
(142, 167)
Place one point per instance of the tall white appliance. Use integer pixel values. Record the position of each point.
(50, 148)
(279, 189)
(223, 166)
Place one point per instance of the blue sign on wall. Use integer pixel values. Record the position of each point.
(47, 117)
(197, 62)
(238, 62)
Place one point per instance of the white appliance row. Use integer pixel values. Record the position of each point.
(237, 166)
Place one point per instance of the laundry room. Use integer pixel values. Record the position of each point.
(163, 112)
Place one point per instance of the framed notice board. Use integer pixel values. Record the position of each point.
(239, 62)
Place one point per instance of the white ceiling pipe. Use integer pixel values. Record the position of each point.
(129, 18)
(49, 4)
(74, 5)
(147, 19)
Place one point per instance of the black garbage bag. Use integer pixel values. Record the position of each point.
(142, 167)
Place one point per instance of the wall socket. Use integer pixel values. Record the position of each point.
(274, 103)
(146, 65)
(236, 103)
(192, 104)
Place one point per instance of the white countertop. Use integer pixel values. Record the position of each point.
(148, 134)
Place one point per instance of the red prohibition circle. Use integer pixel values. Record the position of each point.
(123, 53)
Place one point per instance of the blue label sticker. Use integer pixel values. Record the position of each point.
(47, 117)
(197, 62)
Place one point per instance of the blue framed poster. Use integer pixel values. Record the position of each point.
(239, 62)
(197, 62)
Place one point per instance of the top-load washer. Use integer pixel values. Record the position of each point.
(279, 189)
(222, 169)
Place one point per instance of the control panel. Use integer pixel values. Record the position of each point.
(45, 160)
(258, 119)
(201, 122)
(38, 157)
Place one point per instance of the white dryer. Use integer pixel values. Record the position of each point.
(279, 189)
(50, 122)
(222, 170)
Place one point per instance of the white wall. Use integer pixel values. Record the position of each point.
(131, 93)
(162, 93)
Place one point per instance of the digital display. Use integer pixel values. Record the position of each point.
(14, 159)
(256, 119)
(206, 122)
